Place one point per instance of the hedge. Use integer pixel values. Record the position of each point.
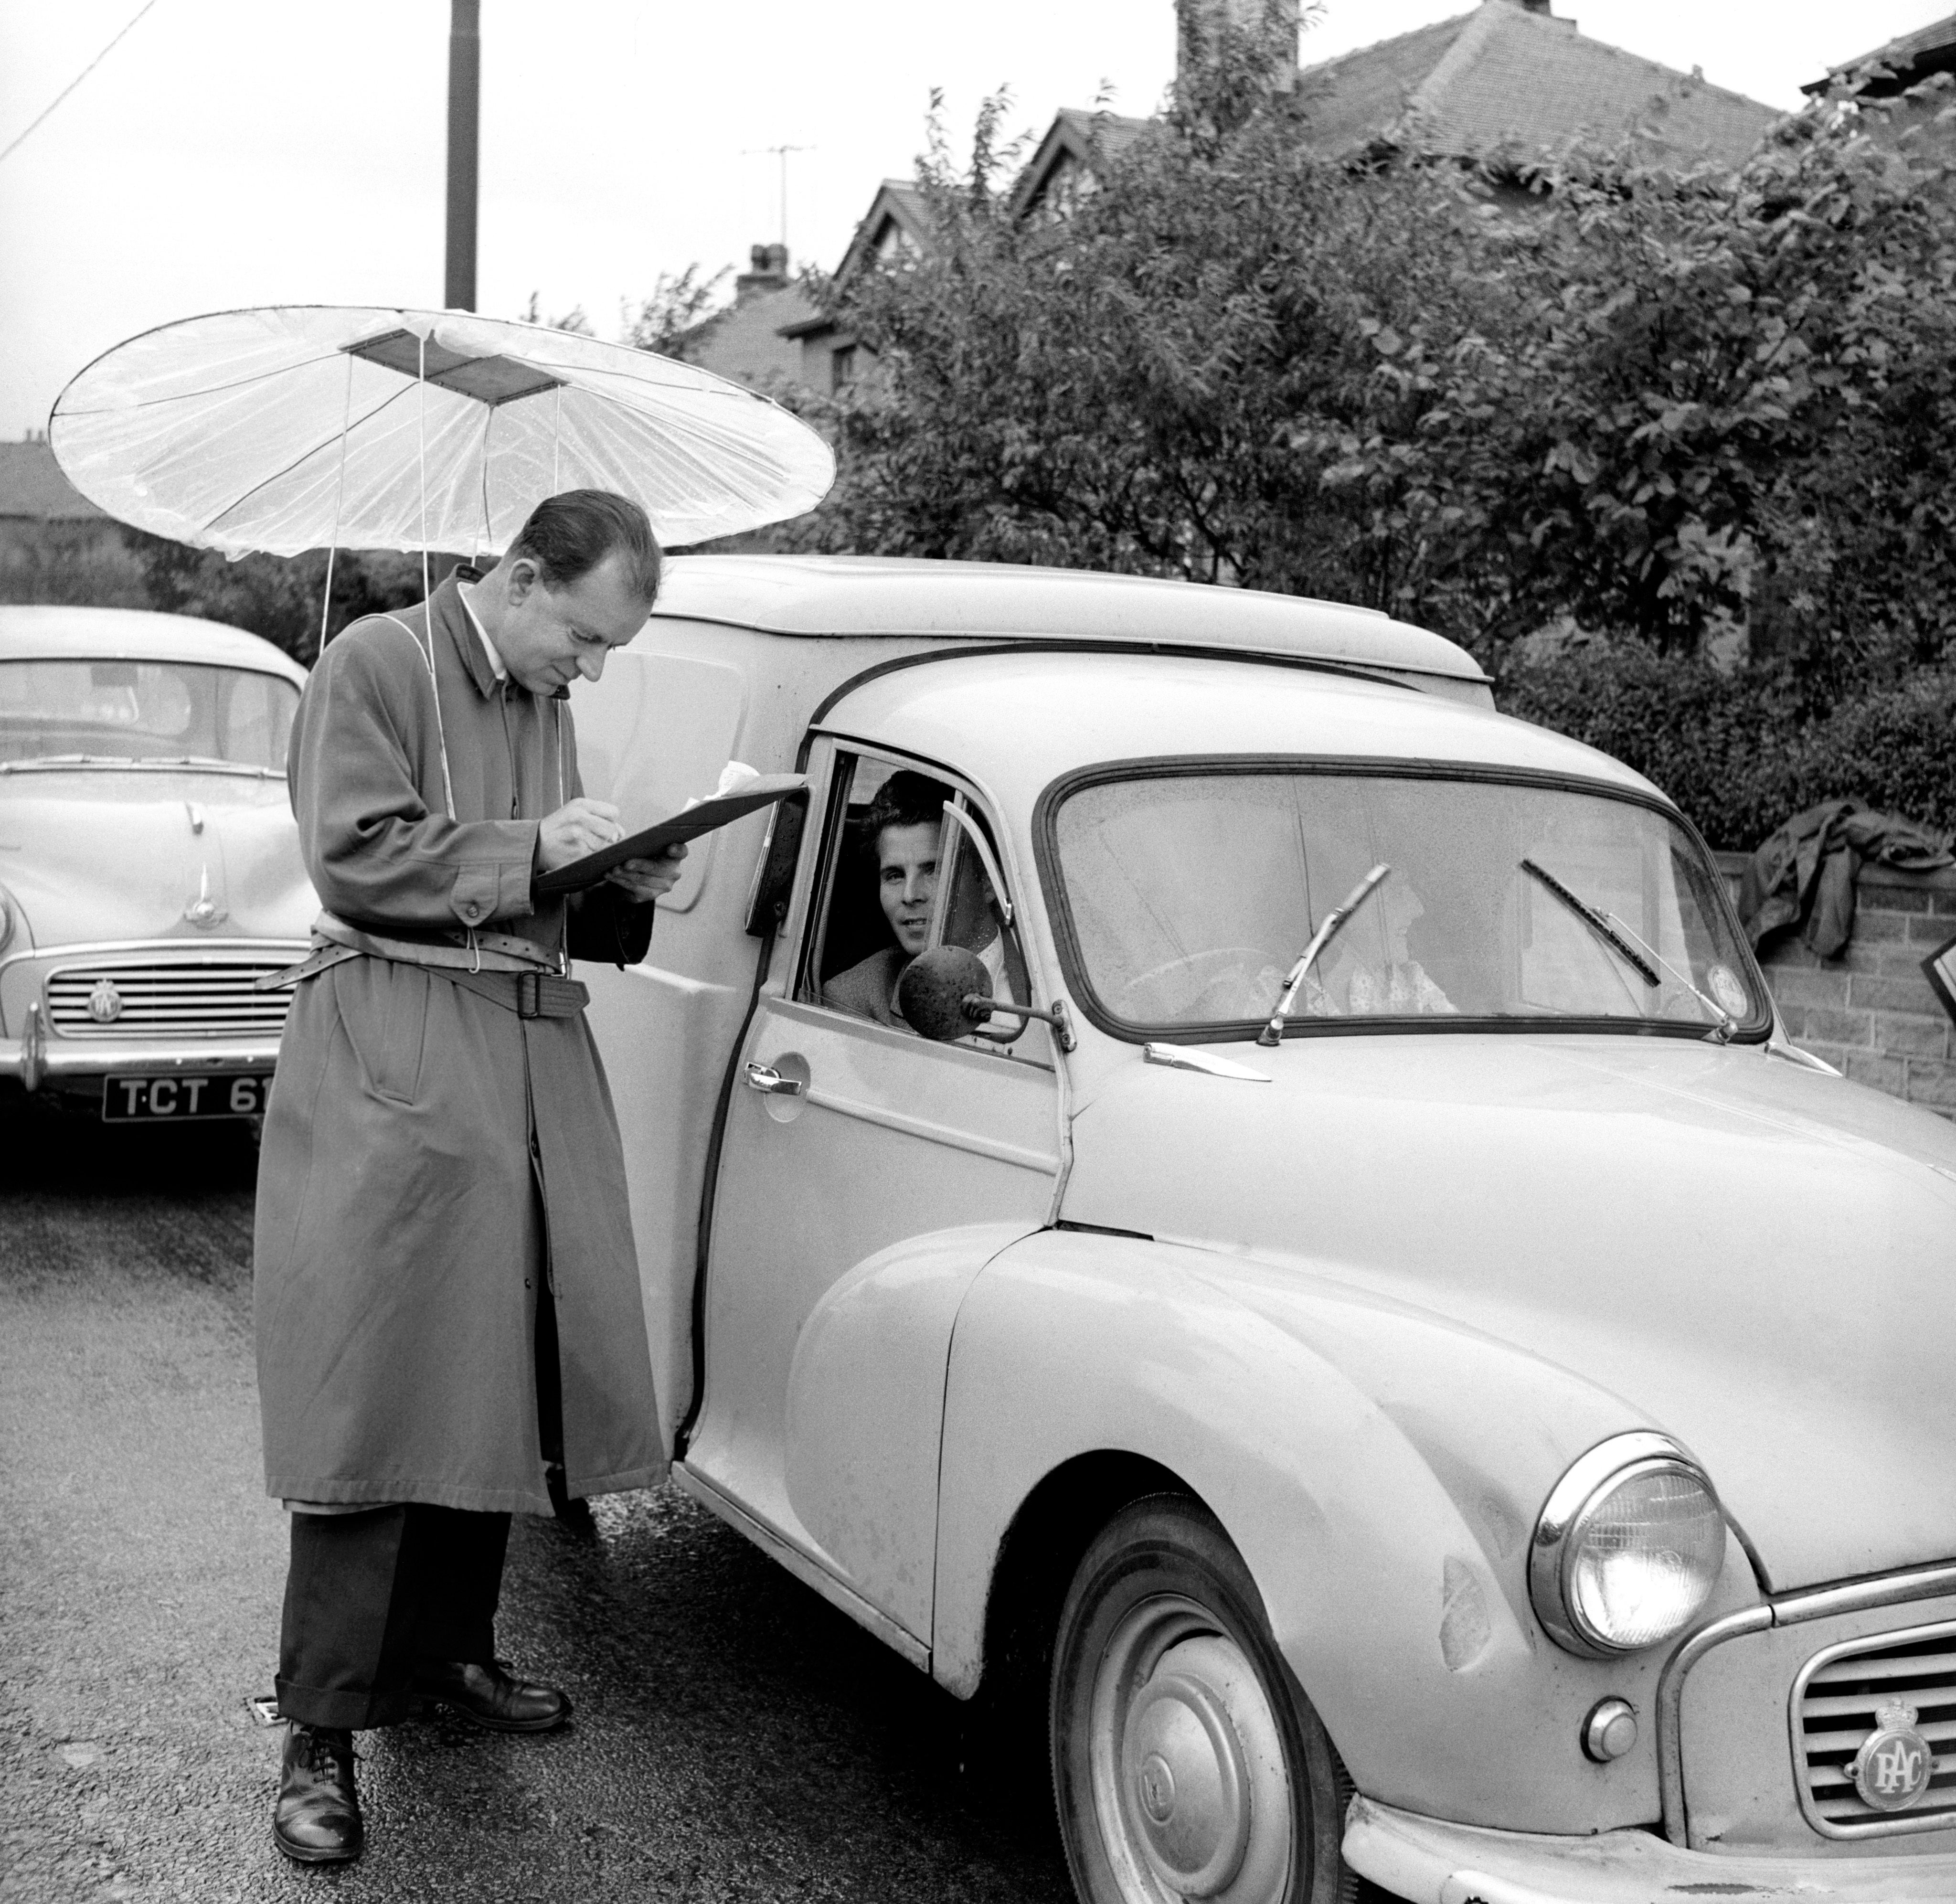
(1727, 748)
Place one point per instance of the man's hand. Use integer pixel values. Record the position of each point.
(645, 880)
(576, 830)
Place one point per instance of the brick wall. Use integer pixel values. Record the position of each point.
(1870, 1011)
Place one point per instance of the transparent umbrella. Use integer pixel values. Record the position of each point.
(302, 426)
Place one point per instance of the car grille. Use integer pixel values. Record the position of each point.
(1836, 1704)
(205, 999)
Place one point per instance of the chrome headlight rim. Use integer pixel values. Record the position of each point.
(1587, 1483)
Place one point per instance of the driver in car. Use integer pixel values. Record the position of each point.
(903, 831)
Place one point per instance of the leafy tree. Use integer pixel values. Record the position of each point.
(1599, 388)
(277, 597)
(678, 316)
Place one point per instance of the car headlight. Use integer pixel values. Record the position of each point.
(1629, 1545)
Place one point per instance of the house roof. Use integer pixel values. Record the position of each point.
(1503, 75)
(1912, 58)
(898, 206)
(744, 343)
(32, 486)
(1069, 141)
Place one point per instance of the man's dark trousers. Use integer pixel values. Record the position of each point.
(369, 1596)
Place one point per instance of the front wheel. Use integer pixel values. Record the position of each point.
(1186, 1762)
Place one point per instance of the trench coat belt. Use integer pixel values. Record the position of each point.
(485, 968)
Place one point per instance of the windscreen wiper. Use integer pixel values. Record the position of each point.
(1597, 923)
(1645, 958)
(1726, 1024)
(1272, 1034)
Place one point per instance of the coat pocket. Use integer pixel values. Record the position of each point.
(383, 1004)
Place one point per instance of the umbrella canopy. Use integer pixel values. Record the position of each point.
(303, 427)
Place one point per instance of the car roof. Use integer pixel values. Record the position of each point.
(1013, 722)
(44, 633)
(871, 597)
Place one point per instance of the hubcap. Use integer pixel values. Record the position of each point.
(1190, 1786)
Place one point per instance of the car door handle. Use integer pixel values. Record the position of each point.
(765, 1076)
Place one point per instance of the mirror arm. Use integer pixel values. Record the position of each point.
(979, 1005)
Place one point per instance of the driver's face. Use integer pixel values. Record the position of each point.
(906, 879)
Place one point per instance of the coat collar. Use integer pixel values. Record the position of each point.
(447, 612)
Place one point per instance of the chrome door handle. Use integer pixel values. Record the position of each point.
(765, 1076)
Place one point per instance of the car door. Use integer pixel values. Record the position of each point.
(866, 1176)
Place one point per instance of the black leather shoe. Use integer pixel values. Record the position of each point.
(490, 1696)
(316, 1819)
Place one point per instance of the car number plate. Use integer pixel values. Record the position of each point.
(143, 1101)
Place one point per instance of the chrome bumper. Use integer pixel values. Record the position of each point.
(36, 1060)
(1427, 1861)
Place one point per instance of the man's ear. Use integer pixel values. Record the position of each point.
(523, 576)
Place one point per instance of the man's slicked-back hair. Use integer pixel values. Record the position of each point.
(567, 536)
(908, 798)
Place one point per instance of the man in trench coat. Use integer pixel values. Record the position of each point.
(446, 1291)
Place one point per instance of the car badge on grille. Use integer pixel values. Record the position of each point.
(1893, 1768)
(203, 910)
(105, 1002)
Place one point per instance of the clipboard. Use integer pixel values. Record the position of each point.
(649, 844)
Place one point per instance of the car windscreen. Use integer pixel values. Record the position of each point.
(116, 712)
(1187, 895)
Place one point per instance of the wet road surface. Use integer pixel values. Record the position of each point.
(735, 1737)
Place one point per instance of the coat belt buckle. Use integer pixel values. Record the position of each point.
(529, 994)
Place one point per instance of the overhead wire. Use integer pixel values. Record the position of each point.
(21, 137)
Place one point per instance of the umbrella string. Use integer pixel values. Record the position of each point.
(427, 593)
(557, 432)
(339, 505)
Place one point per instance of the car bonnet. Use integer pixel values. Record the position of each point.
(1756, 1259)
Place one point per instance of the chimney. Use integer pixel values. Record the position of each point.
(1276, 22)
(768, 272)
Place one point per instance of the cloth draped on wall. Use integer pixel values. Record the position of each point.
(1804, 874)
(429, 1153)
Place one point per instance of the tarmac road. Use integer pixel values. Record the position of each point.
(735, 1737)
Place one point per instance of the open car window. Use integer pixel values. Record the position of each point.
(897, 876)
(1188, 892)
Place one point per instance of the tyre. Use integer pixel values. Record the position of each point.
(1187, 1762)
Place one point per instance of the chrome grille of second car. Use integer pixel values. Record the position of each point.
(1838, 1705)
(201, 998)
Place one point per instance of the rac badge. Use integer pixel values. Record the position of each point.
(1893, 1767)
(105, 1002)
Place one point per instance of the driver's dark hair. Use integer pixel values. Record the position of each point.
(567, 536)
(908, 798)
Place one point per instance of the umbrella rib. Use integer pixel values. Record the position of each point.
(205, 389)
(237, 502)
(718, 387)
(488, 417)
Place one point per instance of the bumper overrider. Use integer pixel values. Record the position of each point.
(1776, 1784)
(1428, 1860)
(162, 1010)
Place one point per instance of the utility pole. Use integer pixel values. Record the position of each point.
(464, 90)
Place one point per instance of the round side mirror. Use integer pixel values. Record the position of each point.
(932, 992)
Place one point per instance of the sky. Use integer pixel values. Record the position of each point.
(229, 152)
